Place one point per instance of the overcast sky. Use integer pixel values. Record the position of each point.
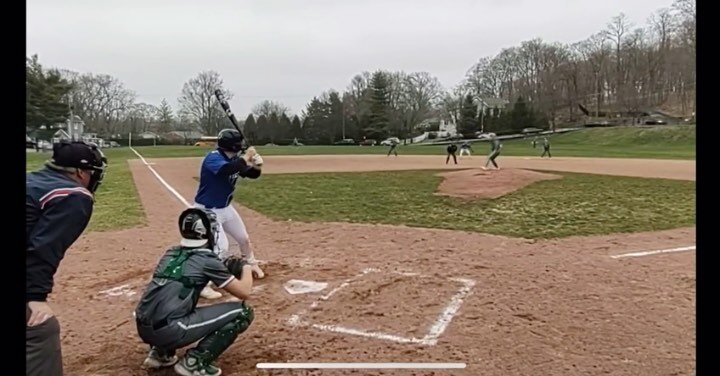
(292, 50)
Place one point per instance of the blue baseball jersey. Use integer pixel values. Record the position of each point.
(216, 190)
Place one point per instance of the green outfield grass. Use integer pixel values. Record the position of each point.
(117, 204)
(665, 142)
(577, 204)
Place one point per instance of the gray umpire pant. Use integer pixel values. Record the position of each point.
(174, 334)
(43, 356)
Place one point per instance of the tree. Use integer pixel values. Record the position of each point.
(468, 123)
(165, 117)
(284, 128)
(333, 126)
(687, 13)
(102, 102)
(316, 126)
(296, 130)
(423, 93)
(141, 117)
(616, 31)
(45, 95)
(250, 128)
(183, 125)
(357, 103)
(261, 123)
(271, 130)
(379, 107)
(268, 107)
(451, 104)
(521, 116)
(199, 104)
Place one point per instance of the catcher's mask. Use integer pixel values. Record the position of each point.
(198, 228)
(70, 155)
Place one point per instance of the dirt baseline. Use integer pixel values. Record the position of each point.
(552, 307)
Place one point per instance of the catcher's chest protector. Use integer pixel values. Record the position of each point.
(174, 270)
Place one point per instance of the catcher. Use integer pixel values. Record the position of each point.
(167, 315)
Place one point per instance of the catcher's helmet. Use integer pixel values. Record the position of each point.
(231, 140)
(82, 155)
(198, 228)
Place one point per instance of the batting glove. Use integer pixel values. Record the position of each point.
(257, 160)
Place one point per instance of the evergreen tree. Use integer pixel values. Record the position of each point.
(379, 106)
(468, 123)
(250, 127)
(296, 130)
(45, 92)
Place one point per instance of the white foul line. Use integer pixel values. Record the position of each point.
(363, 333)
(295, 319)
(646, 253)
(361, 365)
(449, 312)
(170, 188)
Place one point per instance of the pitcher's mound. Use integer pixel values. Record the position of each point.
(478, 183)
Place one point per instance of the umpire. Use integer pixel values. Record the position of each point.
(451, 149)
(58, 205)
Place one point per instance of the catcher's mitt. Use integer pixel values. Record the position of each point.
(235, 265)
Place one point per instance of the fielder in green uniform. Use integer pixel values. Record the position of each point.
(494, 152)
(546, 148)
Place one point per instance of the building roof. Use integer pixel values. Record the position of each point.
(188, 134)
(495, 102)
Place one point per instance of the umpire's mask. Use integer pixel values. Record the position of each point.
(198, 228)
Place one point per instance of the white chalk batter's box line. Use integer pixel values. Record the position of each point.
(430, 338)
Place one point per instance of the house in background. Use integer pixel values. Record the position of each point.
(492, 106)
(447, 128)
(73, 129)
(58, 135)
(182, 137)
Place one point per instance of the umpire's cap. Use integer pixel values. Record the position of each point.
(81, 155)
(78, 154)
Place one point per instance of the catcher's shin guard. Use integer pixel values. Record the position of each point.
(210, 347)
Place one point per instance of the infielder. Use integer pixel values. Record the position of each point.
(393, 148)
(465, 148)
(218, 174)
(494, 152)
(546, 148)
(167, 317)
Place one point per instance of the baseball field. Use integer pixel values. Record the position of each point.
(579, 264)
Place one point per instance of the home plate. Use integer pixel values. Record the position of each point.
(296, 286)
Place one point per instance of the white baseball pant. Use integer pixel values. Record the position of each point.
(230, 223)
(463, 151)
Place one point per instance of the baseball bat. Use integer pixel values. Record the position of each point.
(226, 107)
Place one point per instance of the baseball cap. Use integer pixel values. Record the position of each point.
(78, 154)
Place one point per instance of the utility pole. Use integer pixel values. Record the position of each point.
(482, 114)
(343, 119)
(70, 118)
